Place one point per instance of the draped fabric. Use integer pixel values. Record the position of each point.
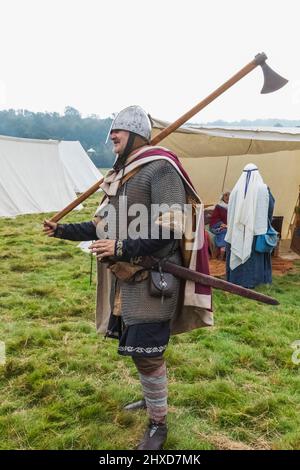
(247, 214)
(258, 268)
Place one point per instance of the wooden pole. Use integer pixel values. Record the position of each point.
(77, 201)
(185, 117)
(259, 59)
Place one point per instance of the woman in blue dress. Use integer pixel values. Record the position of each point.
(250, 209)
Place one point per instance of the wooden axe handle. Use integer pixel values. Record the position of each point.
(185, 117)
(76, 202)
(168, 130)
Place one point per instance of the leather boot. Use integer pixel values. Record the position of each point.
(137, 405)
(154, 437)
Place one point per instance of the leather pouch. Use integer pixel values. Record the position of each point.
(161, 284)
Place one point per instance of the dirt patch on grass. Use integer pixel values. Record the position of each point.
(280, 267)
(221, 442)
(217, 267)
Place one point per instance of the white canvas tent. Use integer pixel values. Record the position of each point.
(215, 158)
(35, 178)
(80, 168)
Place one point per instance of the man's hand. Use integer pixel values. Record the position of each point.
(49, 228)
(103, 248)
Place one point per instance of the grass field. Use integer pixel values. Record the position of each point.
(63, 386)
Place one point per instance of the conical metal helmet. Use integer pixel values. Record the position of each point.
(133, 119)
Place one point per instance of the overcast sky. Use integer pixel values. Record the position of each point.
(166, 55)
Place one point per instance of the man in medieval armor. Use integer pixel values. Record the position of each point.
(139, 307)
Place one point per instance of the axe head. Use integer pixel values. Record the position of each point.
(272, 80)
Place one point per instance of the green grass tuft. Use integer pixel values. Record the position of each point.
(63, 386)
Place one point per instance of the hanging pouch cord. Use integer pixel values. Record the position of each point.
(162, 283)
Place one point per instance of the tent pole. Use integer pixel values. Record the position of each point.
(293, 218)
(225, 174)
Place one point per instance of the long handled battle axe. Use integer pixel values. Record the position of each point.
(272, 82)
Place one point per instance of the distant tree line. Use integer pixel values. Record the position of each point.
(91, 131)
